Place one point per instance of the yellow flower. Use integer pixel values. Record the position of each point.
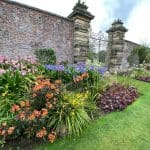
(72, 113)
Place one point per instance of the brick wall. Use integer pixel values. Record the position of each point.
(23, 29)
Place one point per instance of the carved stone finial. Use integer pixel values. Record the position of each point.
(117, 21)
(117, 25)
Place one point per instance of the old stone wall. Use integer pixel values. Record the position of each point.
(24, 29)
(127, 49)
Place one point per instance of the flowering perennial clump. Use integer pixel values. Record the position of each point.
(6, 130)
(24, 64)
(33, 116)
(78, 68)
(81, 77)
(116, 98)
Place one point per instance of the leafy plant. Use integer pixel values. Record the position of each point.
(116, 98)
(69, 117)
(63, 114)
(141, 53)
(55, 115)
(141, 73)
(46, 56)
(13, 87)
(102, 56)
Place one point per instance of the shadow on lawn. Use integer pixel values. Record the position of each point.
(22, 144)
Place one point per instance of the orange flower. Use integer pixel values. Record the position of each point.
(49, 105)
(39, 81)
(37, 113)
(58, 81)
(49, 95)
(22, 116)
(41, 84)
(84, 75)
(80, 78)
(77, 79)
(34, 95)
(22, 104)
(3, 132)
(44, 112)
(10, 130)
(31, 117)
(46, 82)
(41, 133)
(27, 104)
(15, 108)
(27, 109)
(38, 87)
(57, 91)
(52, 137)
(74, 80)
(52, 86)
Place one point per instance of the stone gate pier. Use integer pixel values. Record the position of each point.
(115, 47)
(81, 18)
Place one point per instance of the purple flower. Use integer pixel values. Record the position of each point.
(55, 67)
(102, 70)
(92, 68)
(80, 68)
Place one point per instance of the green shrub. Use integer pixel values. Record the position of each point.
(91, 55)
(102, 56)
(46, 56)
(140, 53)
(140, 72)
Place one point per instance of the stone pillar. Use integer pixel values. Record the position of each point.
(82, 19)
(115, 45)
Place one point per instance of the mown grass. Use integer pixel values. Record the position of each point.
(125, 130)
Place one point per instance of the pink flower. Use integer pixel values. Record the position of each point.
(2, 59)
(2, 71)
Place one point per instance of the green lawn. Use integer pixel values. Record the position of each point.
(126, 130)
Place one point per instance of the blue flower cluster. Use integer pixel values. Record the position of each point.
(79, 67)
(55, 67)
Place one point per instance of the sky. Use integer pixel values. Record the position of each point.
(134, 13)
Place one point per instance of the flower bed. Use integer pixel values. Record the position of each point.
(116, 98)
(145, 79)
(51, 101)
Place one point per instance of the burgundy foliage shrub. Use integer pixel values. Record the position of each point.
(145, 79)
(116, 98)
